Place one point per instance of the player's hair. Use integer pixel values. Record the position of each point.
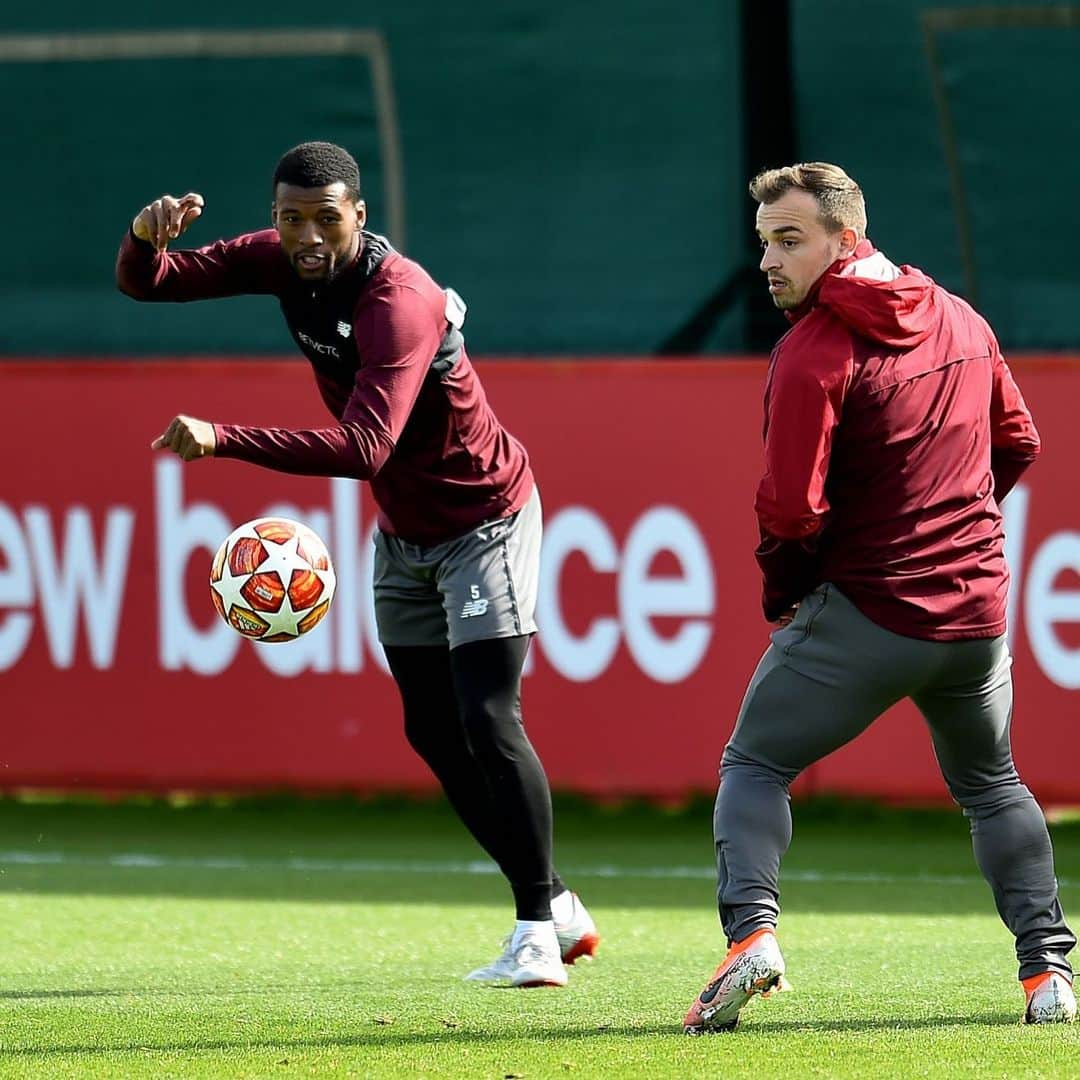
(839, 198)
(318, 164)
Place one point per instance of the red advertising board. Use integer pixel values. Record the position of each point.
(116, 673)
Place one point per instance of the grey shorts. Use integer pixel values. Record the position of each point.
(477, 586)
(831, 672)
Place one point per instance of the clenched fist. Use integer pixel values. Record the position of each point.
(187, 437)
(166, 218)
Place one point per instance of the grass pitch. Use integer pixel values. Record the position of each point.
(284, 939)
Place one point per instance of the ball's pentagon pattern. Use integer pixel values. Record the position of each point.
(272, 580)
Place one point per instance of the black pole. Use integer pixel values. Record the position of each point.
(768, 140)
(769, 137)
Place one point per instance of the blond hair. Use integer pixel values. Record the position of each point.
(839, 198)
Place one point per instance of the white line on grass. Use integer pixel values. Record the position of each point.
(142, 861)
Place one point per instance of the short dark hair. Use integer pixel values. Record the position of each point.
(839, 198)
(318, 164)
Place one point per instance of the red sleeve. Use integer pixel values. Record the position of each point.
(1014, 442)
(803, 403)
(789, 570)
(246, 264)
(802, 409)
(398, 334)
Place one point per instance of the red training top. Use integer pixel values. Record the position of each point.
(893, 428)
(385, 344)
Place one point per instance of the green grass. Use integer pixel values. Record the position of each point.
(220, 957)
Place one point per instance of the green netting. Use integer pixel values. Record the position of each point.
(574, 173)
(959, 122)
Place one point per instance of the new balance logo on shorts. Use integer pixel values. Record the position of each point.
(476, 605)
(344, 328)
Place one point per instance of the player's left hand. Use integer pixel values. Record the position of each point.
(187, 437)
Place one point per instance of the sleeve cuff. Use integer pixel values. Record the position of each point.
(789, 569)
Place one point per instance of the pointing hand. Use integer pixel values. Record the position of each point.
(166, 218)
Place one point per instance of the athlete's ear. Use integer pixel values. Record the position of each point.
(273, 214)
(849, 241)
(361, 214)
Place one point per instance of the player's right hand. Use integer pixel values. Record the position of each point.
(188, 437)
(166, 218)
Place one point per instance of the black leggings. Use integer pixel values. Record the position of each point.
(463, 717)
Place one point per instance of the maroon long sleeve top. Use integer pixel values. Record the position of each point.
(893, 428)
(385, 346)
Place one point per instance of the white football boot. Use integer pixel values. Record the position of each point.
(577, 936)
(752, 966)
(499, 970)
(528, 959)
(537, 961)
(1050, 999)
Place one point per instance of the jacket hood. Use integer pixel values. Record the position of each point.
(895, 305)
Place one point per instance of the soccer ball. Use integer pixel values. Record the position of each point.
(272, 579)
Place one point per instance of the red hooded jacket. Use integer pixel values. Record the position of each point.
(893, 428)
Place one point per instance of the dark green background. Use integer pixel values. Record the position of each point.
(575, 171)
(568, 171)
(1009, 75)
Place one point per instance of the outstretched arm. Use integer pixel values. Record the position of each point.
(400, 333)
(147, 270)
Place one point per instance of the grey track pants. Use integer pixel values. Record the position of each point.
(826, 677)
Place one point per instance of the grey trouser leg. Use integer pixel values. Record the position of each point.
(969, 713)
(825, 678)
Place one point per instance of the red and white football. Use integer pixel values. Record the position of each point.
(272, 579)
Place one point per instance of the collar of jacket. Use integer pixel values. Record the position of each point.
(863, 249)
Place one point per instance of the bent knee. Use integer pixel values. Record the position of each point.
(986, 799)
(737, 759)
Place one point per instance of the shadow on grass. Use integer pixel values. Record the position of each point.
(388, 1039)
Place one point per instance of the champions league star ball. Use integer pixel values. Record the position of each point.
(272, 579)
